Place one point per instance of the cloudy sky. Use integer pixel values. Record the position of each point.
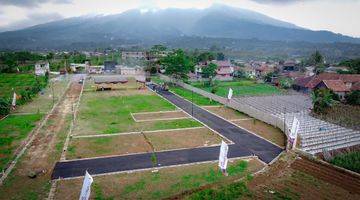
(339, 16)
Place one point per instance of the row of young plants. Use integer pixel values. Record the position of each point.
(24, 95)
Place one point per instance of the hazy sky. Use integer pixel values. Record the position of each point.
(339, 16)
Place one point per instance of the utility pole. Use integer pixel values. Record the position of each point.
(192, 103)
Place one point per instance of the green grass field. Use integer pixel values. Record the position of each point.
(240, 88)
(18, 82)
(196, 98)
(13, 130)
(99, 114)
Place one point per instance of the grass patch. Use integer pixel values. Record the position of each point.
(240, 88)
(13, 130)
(18, 82)
(108, 115)
(196, 98)
(350, 161)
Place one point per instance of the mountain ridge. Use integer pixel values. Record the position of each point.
(218, 21)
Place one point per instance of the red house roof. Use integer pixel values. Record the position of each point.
(336, 85)
(312, 81)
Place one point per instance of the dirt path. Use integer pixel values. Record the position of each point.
(42, 154)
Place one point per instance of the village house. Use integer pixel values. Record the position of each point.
(224, 70)
(338, 83)
(109, 66)
(263, 70)
(123, 70)
(99, 69)
(133, 54)
(41, 68)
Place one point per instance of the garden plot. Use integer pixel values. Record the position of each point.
(158, 184)
(149, 141)
(161, 115)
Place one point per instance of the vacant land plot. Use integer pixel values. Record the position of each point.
(264, 130)
(102, 113)
(167, 115)
(158, 184)
(18, 82)
(240, 88)
(137, 143)
(193, 97)
(13, 130)
(227, 113)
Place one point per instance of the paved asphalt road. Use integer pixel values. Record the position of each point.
(246, 144)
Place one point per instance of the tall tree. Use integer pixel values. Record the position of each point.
(177, 64)
(322, 99)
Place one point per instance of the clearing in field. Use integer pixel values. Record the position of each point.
(159, 184)
(226, 113)
(162, 115)
(86, 147)
(240, 88)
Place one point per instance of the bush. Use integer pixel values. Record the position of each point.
(286, 83)
(353, 98)
(350, 161)
(5, 106)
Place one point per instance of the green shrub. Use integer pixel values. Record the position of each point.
(350, 161)
(4, 106)
(353, 98)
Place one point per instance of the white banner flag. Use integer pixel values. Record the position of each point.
(230, 93)
(85, 191)
(14, 100)
(223, 155)
(294, 132)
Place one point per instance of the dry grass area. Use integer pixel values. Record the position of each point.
(159, 184)
(304, 179)
(159, 115)
(136, 143)
(264, 130)
(225, 112)
(41, 155)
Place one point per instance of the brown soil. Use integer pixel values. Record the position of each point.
(264, 130)
(160, 115)
(227, 113)
(293, 177)
(42, 154)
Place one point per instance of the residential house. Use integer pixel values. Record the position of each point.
(224, 70)
(130, 71)
(337, 86)
(41, 68)
(133, 54)
(109, 66)
(308, 84)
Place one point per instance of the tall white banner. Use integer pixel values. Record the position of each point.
(223, 160)
(86, 188)
(14, 100)
(230, 93)
(294, 131)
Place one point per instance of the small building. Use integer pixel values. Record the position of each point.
(133, 54)
(41, 68)
(224, 70)
(336, 86)
(108, 82)
(137, 70)
(249, 72)
(109, 66)
(99, 69)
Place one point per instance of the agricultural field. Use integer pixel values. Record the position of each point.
(18, 82)
(13, 130)
(350, 161)
(158, 184)
(240, 88)
(193, 97)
